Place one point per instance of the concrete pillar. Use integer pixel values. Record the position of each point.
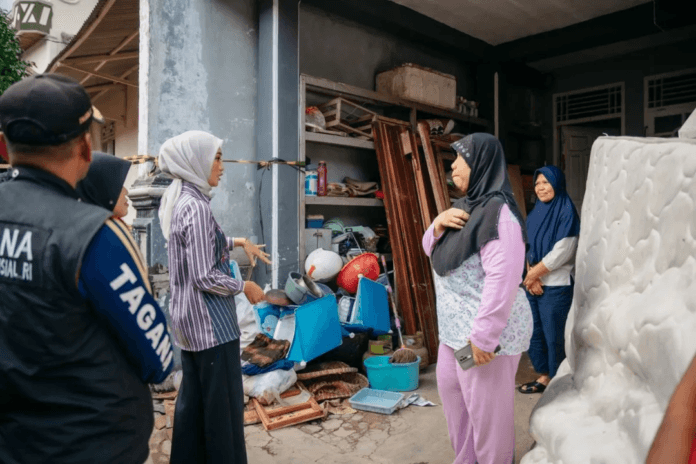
(278, 133)
(198, 71)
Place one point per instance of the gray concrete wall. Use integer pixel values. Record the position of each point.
(202, 75)
(348, 52)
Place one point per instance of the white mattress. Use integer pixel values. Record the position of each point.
(631, 330)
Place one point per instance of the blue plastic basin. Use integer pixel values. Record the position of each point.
(391, 377)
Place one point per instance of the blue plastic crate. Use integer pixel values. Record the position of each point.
(381, 401)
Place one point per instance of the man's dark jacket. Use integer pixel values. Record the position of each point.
(67, 392)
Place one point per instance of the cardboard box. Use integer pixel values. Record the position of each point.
(424, 85)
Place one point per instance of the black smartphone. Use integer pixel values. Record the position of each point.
(465, 356)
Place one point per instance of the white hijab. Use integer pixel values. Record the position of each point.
(188, 157)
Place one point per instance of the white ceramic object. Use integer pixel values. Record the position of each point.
(630, 332)
(323, 265)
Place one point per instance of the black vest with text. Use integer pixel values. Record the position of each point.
(67, 392)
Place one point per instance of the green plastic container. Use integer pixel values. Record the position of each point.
(391, 377)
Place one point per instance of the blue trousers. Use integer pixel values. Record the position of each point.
(550, 312)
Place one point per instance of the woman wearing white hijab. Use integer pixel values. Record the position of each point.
(209, 416)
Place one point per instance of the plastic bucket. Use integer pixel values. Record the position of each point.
(391, 377)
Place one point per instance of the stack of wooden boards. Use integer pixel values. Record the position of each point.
(414, 182)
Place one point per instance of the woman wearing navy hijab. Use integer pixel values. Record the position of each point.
(553, 227)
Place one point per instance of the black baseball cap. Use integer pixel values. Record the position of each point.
(46, 109)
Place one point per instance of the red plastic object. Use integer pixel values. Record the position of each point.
(366, 264)
(3, 152)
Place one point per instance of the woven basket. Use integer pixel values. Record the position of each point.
(326, 368)
(338, 386)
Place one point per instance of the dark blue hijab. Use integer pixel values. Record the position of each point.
(551, 222)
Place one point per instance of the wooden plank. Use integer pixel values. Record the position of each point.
(115, 51)
(251, 417)
(85, 34)
(443, 176)
(393, 210)
(339, 140)
(103, 76)
(339, 89)
(423, 192)
(406, 143)
(416, 296)
(100, 87)
(515, 176)
(344, 201)
(368, 96)
(440, 195)
(289, 415)
(420, 270)
(101, 57)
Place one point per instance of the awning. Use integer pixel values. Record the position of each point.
(103, 55)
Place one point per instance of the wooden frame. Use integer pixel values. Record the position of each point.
(406, 222)
(348, 117)
(436, 174)
(284, 416)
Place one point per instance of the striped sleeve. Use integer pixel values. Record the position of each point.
(199, 227)
(114, 281)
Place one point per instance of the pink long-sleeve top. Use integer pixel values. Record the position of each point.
(481, 300)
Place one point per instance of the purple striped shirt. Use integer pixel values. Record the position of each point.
(202, 289)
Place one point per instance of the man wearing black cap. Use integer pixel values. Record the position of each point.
(80, 333)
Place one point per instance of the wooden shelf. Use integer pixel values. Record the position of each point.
(338, 140)
(364, 96)
(343, 201)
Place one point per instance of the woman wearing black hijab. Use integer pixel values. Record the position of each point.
(477, 250)
(103, 185)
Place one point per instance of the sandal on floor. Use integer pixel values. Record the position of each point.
(532, 387)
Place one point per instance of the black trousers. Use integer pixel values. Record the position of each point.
(209, 415)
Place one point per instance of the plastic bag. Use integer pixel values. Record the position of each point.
(266, 316)
(246, 321)
(314, 117)
(268, 387)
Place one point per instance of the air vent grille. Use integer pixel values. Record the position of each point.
(597, 103)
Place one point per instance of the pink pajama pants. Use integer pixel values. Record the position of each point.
(479, 406)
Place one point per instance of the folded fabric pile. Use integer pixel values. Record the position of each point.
(351, 188)
(264, 351)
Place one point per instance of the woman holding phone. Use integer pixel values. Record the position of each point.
(477, 249)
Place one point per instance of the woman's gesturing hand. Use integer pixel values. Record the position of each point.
(454, 218)
(481, 358)
(253, 292)
(254, 251)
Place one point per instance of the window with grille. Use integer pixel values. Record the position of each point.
(669, 100)
(668, 90)
(589, 104)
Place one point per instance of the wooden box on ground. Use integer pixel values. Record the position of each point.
(413, 82)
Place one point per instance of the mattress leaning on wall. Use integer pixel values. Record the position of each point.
(629, 335)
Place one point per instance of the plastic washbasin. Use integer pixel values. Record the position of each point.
(383, 402)
(384, 375)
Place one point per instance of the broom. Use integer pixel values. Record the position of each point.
(403, 355)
